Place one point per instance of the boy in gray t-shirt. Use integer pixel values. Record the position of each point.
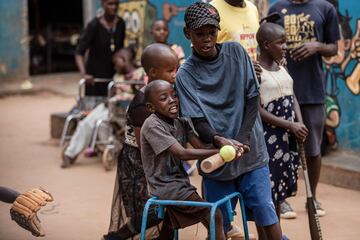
(163, 139)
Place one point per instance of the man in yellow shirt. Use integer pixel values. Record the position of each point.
(239, 22)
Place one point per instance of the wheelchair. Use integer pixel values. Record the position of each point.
(84, 104)
(117, 125)
(108, 134)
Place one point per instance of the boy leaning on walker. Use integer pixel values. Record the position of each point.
(218, 90)
(163, 140)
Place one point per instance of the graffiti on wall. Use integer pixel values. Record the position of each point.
(342, 67)
(139, 16)
(345, 65)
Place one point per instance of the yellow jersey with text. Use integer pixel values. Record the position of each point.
(238, 24)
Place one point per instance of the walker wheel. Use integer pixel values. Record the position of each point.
(63, 148)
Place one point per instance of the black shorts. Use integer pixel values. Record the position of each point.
(314, 119)
(184, 216)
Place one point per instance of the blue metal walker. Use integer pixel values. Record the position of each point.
(225, 200)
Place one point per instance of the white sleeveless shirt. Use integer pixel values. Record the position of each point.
(275, 84)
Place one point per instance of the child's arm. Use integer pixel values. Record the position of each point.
(251, 111)
(196, 142)
(178, 151)
(297, 128)
(251, 94)
(161, 139)
(208, 134)
(299, 119)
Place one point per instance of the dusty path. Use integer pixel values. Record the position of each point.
(28, 158)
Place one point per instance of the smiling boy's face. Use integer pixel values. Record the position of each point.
(203, 40)
(164, 101)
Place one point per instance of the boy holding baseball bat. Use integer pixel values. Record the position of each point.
(218, 90)
(163, 141)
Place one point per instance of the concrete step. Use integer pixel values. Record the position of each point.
(341, 168)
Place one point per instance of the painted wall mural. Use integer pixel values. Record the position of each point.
(139, 16)
(343, 81)
(342, 71)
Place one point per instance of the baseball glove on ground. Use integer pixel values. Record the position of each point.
(24, 208)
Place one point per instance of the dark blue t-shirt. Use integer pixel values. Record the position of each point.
(314, 20)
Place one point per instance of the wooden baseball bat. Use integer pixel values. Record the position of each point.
(212, 163)
(314, 223)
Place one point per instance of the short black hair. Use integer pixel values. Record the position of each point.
(268, 31)
(158, 20)
(151, 87)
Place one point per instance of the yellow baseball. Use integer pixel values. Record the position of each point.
(227, 153)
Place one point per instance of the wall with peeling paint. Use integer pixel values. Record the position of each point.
(14, 49)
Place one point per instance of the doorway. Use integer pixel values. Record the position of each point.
(54, 29)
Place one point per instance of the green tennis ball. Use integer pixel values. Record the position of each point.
(227, 153)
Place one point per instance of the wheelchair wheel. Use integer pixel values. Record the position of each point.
(108, 158)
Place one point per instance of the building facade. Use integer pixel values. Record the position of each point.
(342, 71)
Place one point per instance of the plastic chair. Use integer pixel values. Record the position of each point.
(213, 206)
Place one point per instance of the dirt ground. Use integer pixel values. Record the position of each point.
(83, 193)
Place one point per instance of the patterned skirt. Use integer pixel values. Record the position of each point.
(282, 149)
(130, 193)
